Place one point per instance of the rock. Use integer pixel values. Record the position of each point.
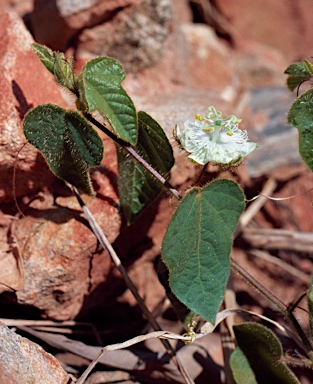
(65, 19)
(182, 11)
(22, 361)
(281, 25)
(21, 7)
(264, 113)
(135, 37)
(158, 59)
(49, 255)
(208, 66)
(24, 83)
(259, 65)
(144, 36)
(62, 262)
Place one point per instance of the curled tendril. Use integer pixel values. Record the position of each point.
(190, 331)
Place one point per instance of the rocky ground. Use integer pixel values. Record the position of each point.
(180, 57)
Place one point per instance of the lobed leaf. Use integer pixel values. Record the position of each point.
(258, 357)
(197, 244)
(68, 143)
(137, 187)
(300, 116)
(100, 90)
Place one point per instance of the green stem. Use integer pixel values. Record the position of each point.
(129, 149)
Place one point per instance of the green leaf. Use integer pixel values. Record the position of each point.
(258, 358)
(68, 143)
(241, 369)
(197, 244)
(300, 116)
(100, 90)
(298, 72)
(137, 187)
(45, 55)
(58, 65)
(183, 313)
(310, 304)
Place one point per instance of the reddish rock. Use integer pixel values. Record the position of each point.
(145, 37)
(65, 19)
(259, 65)
(22, 361)
(283, 25)
(208, 66)
(193, 60)
(24, 83)
(182, 11)
(62, 262)
(22, 7)
(135, 36)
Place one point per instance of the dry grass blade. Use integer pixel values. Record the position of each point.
(281, 263)
(128, 343)
(269, 238)
(127, 360)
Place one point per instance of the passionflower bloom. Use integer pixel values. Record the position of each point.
(211, 138)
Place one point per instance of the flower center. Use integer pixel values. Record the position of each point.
(218, 122)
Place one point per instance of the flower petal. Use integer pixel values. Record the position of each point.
(214, 139)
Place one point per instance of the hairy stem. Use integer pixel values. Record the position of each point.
(129, 149)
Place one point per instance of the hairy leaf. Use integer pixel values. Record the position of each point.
(45, 55)
(58, 65)
(137, 187)
(183, 313)
(241, 369)
(197, 244)
(68, 143)
(300, 116)
(100, 90)
(258, 358)
(298, 72)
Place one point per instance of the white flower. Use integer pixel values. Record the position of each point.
(214, 139)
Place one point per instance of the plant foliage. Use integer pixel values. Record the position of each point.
(66, 140)
(197, 244)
